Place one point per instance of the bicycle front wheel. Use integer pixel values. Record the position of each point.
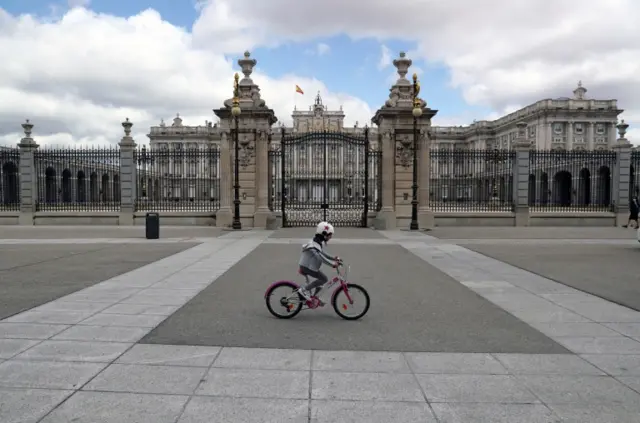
(355, 298)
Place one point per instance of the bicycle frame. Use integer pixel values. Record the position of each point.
(340, 278)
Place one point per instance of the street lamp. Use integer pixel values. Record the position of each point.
(417, 112)
(235, 112)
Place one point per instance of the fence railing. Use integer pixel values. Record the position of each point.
(170, 180)
(571, 180)
(10, 179)
(634, 174)
(74, 179)
(471, 180)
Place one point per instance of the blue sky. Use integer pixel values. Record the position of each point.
(350, 66)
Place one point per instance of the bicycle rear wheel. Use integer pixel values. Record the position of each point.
(341, 304)
(287, 304)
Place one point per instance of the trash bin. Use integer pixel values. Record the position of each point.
(152, 225)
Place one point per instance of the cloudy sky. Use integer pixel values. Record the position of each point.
(77, 68)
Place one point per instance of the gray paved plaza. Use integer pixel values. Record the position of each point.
(453, 335)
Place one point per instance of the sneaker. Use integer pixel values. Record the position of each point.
(305, 294)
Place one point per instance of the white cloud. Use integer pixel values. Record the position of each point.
(499, 53)
(323, 49)
(79, 77)
(78, 3)
(385, 57)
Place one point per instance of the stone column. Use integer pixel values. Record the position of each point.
(570, 129)
(522, 147)
(590, 135)
(224, 216)
(426, 219)
(262, 180)
(255, 121)
(128, 176)
(395, 124)
(611, 134)
(28, 176)
(621, 176)
(386, 217)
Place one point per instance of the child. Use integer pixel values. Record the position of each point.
(313, 257)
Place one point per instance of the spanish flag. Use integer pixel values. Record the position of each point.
(299, 90)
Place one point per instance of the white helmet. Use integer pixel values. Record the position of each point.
(324, 228)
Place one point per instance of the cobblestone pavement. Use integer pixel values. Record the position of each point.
(78, 358)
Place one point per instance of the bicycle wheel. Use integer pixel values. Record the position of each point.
(341, 304)
(289, 302)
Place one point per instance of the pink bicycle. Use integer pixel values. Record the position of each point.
(290, 302)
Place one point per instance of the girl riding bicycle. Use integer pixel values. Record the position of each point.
(312, 258)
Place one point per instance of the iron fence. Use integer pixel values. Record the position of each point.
(375, 180)
(466, 180)
(10, 179)
(634, 174)
(178, 179)
(275, 178)
(577, 180)
(75, 179)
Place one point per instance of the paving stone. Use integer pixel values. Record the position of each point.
(547, 364)
(98, 352)
(632, 382)
(28, 405)
(616, 364)
(549, 316)
(370, 412)
(47, 374)
(494, 413)
(605, 311)
(581, 329)
(170, 355)
(600, 345)
(134, 309)
(475, 388)
(360, 361)
(147, 379)
(104, 296)
(263, 358)
(628, 329)
(50, 317)
(11, 347)
(30, 330)
(125, 320)
(365, 386)
(109, 407)
(59, 305)
(469, 363)
(102, 333)
(596, 413)
(579, 389)
(285, 384)
(246, 410)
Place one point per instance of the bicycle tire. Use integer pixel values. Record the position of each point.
(270, 292)
(355, 287)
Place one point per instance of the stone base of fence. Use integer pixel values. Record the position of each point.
(448, 218)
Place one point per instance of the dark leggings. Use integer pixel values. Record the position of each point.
(321, 278)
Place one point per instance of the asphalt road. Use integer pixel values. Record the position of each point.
(31, 275)
(415, 307)
(341, 233)
(611, 272)
(85, 232)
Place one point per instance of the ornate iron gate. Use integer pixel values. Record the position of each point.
(330, 176)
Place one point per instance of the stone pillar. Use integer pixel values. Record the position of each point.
(590, 135)
(621, 176)
(28, 176)
(254, 125)
(570, 135)
(395, 124)
(224, 216)
(522, 147)
(128, 176)
(426, 219)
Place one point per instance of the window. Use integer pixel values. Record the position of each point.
(600, 128)
(579, 129)
(557, 139)
(557, 128)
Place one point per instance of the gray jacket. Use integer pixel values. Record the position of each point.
(313, 256)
